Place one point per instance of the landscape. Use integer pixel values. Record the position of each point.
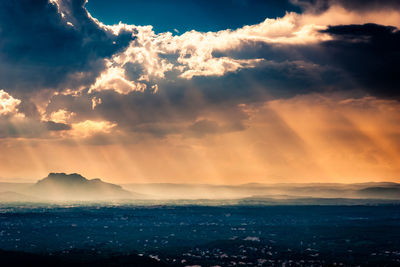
(199, 133)
(91, 222)
(61, 187)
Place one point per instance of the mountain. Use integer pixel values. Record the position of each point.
(75, 187)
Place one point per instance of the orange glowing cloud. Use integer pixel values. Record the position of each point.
(8, 104)
(88, 128)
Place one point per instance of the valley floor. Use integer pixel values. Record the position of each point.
(200, 235)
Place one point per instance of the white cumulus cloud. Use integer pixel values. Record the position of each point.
(8, 104)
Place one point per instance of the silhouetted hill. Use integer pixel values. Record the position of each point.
(61, 186)
(381, 192)
(266, 200)
(294, 190)
(75, 187)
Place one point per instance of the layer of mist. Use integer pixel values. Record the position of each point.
(381, 190)
(61, 187)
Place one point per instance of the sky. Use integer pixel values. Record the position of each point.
(219, 92)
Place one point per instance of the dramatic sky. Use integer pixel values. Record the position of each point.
(227, 91)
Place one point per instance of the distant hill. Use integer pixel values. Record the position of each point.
(381, 192)
(376, 190)
(61, 186)
(75, 187)
(267, 200)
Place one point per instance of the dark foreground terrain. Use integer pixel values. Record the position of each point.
(94, 235)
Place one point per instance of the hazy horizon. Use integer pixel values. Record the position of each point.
(61, 187)
(162, 181)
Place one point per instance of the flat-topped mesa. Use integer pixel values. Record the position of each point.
(63, 178)
(75, 187)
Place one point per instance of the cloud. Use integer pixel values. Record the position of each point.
(48, 45)
(61, 116)
(114, 78)
(370, 53)
(57, 126)
(311, 94)
(152, 59)
(8, 104)
(88, 128)
(320, 6)
(163, 84)
(191, 54)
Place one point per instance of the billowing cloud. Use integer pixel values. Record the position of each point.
(162, 83)
(45, 45)
(114, 78)
(87, 128)
(61, 116)
(8, 104)
(151, 56)
(272, 96)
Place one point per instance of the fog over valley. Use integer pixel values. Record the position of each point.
(59, 187)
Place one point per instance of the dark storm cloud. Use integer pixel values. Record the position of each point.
(319, 6)
(56, 126)
(370, 53)
(288, 70)
(41, 47)
(358, 57)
